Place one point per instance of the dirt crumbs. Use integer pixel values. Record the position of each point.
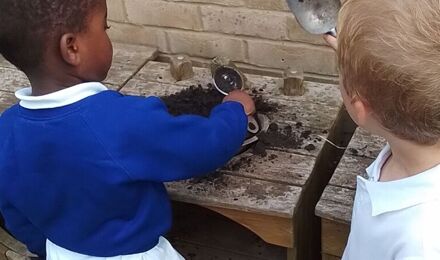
(197, 100)
(364, 151)
(285, 137)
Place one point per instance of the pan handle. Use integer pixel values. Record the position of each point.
(332, 32)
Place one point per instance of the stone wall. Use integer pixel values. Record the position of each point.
(262, 33)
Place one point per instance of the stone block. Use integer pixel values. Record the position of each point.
(165, 14)
(297, 34)
(279, 5)
(293, 82)
(137, 34)
(241, 21)
(215, 2)
(116, 10)
(282, 55)
(206, 45)
(181, 67)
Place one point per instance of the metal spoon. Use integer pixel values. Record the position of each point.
(316, 16)
(227, 79)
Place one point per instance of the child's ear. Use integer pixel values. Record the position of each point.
(69, 49)
(361, 111)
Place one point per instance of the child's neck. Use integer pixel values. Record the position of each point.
(409, 159)
(46, 85)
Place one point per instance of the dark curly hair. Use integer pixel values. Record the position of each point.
(27, 26)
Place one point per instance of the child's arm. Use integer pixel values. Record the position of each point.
(150, 144)
(174, 148)
(24, 231)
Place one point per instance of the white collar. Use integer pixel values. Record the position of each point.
(403, 193)
(59, 98)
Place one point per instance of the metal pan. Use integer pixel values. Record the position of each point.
(316, 16)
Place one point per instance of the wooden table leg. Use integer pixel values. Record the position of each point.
(291, 254)
(308, 225)
(272, 229)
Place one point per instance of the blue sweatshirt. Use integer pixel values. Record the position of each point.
(89, 176)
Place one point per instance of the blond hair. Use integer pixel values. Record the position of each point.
(389, 56)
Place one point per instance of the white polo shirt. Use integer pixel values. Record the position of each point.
(397, 219)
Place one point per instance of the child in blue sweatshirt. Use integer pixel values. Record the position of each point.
(82, 167)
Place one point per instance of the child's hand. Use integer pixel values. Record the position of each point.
(332, 41)
(243, 98)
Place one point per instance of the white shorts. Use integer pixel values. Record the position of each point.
(163, 250)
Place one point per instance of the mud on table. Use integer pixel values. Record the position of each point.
(259, 192)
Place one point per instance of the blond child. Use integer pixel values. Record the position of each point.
(389, 60)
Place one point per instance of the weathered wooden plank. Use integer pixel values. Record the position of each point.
(277, 166)
(127, 60)
(5, 64)
(334, 237)
(12, 248)
(7, 99)
(336, 204)
(272, 229)
(365, 144)
(361, 152)
(12, 79)
(240, 193)
(348, 169)
(3, 251)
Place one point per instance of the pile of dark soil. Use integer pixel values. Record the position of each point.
(193, 100)
(200, 101)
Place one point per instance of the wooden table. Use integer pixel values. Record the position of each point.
(336, 203)
(262, 196)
